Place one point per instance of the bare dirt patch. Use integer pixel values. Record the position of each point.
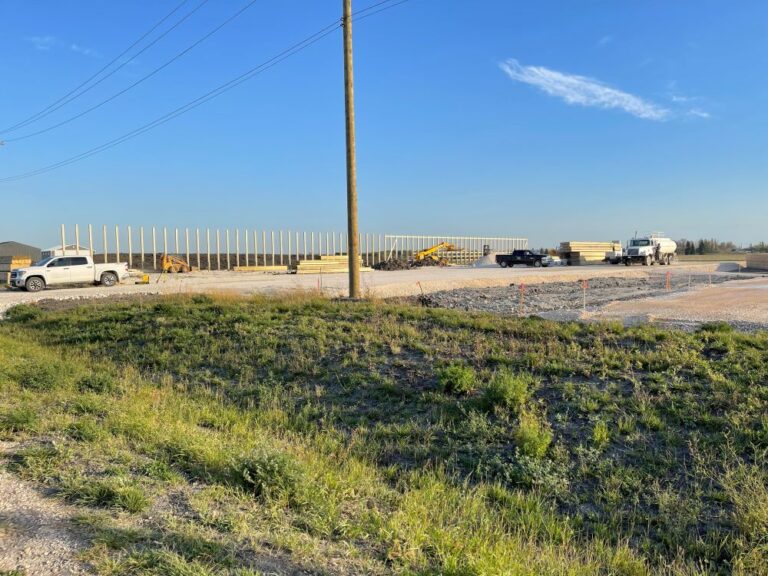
(36, 535)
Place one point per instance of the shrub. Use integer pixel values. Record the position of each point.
(532, 436)
(457, 379)
(85, 430)
(23, 313)
(507, 390)
(21, 419)
(40, 376)
(267, 474)
(99, 382)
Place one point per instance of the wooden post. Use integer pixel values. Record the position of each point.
(197, 242)
(349, 102)
(218, 250)
(90, 239)
(229, 266)
(77, 239)
(141, 243)
(154, 249)
(104, 240)
(130, 248)
(117, 244)
(186, 244)
(246, 247)
(208, 247)
(237, 247)
(64, 239)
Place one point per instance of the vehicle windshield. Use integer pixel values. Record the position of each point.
(640, 243)
(43, 262)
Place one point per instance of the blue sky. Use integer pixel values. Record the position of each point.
(549, 120)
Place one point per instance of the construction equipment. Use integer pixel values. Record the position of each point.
(173, 264)
(429, 256)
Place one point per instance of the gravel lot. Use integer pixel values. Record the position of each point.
(552, 292)
(688, 301)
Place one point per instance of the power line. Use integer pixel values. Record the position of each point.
(264, 66)
(77, 92)
(221, 89)
(139, 81)
(390, 4)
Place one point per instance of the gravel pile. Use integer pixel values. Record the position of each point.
(564, 296)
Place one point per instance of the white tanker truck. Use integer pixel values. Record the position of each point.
(649, 250)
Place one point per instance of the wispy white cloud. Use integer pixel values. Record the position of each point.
(83, 50)
(699, 113)
(42, 42)
(605, 40)
(583, 91)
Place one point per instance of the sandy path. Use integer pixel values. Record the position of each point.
(744, 301)
(36, 534)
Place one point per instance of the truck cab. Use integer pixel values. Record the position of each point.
(67, 269)
(650, 250)
(523, 257)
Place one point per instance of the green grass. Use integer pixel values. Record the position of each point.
(212, 435)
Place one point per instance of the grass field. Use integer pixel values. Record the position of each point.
(212, 435)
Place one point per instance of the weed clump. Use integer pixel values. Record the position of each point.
(600, 435)
(105, 493)
(85, 430)
(22, 419)
(507, 390)
(532, 436)
(40, 376)
(457, 379)
(268, 474)
(99, 382)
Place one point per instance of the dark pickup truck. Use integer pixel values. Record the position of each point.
(523, 257)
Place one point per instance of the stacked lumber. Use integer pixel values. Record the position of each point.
(327, 265)
(757, 261)
(8, 263)
(266, 268)
(580, 253)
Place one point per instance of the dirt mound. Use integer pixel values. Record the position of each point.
(391, 265)
(488, 261)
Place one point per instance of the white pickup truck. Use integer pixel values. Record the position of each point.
(60, 270)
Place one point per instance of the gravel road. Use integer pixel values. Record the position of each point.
(688, 301)
(374, 284)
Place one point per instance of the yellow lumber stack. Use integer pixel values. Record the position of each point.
(757, 261)
(267, 268)
(326, 265)
(580, 253)
(8, 263)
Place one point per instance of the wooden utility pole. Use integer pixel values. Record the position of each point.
(349, 100)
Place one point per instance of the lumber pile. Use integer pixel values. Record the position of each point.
(8, 263)
(757, 261)
(267, 268)
(327, 265)
(580, 253)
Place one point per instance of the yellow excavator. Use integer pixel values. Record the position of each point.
(430, 255)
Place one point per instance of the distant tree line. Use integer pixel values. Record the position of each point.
(713, 246)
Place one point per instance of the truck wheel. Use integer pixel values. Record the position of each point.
(647, 261)
(34, 284)
(537, 264)
(503, 264)
(627, 262)
(108, 279)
